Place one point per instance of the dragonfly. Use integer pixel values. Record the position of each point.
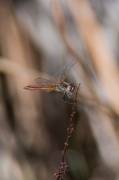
(56, 82)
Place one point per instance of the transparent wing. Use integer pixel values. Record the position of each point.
(71, 64)
(58, 77)
(40, 80)
(55, 79)
(61, 74)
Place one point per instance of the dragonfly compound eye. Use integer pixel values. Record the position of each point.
(70, 87)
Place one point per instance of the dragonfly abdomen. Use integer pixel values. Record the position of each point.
(30, 87)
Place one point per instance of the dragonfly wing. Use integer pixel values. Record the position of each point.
(61, 74)
(68, 68)
(58, 77)
(44, 82)
(55, 79)
(40, 80)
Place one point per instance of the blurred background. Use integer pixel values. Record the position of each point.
(38, 37)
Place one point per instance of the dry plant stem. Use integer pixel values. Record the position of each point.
(8, 67)
(102, 57)
(16, 47)
(63, 167)
(59, 19)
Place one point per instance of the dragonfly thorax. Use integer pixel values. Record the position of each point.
(65, 87)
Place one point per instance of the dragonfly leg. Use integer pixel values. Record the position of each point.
(64, 98)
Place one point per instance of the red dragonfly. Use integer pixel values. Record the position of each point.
(56, 82)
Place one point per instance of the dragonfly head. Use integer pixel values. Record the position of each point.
(70, 87)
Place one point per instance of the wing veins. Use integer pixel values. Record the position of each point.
(58, 77)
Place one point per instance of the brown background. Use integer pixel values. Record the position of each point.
(36, 39)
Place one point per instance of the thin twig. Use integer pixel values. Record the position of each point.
(64, 167)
